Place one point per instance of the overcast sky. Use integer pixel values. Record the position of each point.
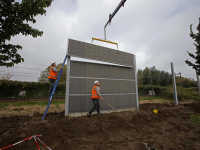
(157, 32)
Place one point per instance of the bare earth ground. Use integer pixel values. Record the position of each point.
(31, 110)
(170, 129)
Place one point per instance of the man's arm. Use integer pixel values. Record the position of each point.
(55, 70)
(98, 91)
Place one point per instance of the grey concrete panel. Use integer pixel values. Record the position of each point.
(84, 103)
(84, 86)
(121, 88)
(95, 52)
(83, 69)
(117, 82)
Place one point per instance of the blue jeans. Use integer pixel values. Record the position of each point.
(96, 106)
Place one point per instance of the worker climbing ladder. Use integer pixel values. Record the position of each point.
(54, 88)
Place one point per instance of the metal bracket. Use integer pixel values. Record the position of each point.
(105, 41)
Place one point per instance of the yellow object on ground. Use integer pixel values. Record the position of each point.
(155, 111)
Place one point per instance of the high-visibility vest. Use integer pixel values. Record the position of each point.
(52, 74)
(94, 92)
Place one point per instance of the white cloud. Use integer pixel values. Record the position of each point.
(157, 32)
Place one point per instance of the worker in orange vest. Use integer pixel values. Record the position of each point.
(52, 76)
(95, 98)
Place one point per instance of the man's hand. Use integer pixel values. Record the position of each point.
(60, 68)
(91, 99)
(101, 98)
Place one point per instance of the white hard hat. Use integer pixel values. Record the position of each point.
(95, 82)
(53, 63)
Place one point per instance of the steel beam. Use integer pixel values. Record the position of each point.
(67, 84)
(174, 84)
(136, 85)
(115, 11)
(113, 14)
(198, 82)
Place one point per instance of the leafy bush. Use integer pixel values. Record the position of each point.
(11, 89)
(167, 92)
(182, 93)
(33, 89)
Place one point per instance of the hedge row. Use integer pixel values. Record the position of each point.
(167, 92)
(11, 89)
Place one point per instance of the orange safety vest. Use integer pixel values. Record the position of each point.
(94, 92)
(52, 74)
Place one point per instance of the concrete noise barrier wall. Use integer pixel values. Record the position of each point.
(95, 52)
(117, 81)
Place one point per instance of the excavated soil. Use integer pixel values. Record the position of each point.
(170, 129)
(30, 110)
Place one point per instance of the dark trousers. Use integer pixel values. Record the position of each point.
(96, 106)
(52, 82)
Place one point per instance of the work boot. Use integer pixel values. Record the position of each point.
(88, 115)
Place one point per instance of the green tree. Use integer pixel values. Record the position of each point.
(44, 74)
(163, 76)
(140, 77)
(155, 75)
(196, 38)
(146, 76)
(14, 18)
(186, 82)
(6, 77)
(158, 77)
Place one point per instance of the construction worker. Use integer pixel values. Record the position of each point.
(52, 76)
(95, 98)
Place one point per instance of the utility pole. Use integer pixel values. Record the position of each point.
(198, 82)
(152, 86)
(174, 84)
(181, 79)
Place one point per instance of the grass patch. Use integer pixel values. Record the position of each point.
(195, 119)
(40, 103)
(2, 105)
(191, 142)
(151, 98)
(28, 110)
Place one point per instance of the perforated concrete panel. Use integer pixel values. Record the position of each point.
(95, 52)
(117, 81)
(83, 103)
(117, 85)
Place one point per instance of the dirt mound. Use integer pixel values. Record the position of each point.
(193, 106)
(169, 129)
